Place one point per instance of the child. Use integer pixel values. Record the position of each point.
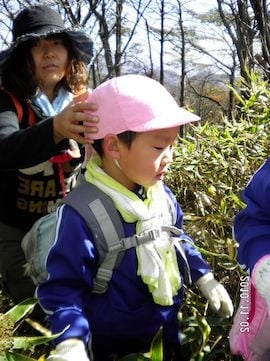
(138, 125)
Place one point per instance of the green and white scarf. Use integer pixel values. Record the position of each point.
(157, 262)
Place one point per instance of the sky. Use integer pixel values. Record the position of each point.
(202, 6)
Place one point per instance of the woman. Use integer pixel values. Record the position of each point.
(42, 101)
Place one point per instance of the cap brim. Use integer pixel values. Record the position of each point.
(179, 117)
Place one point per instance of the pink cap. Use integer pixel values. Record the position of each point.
(136, 103)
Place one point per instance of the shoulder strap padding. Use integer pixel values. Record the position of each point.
(101, 216)
(18, 106)
(19, 109)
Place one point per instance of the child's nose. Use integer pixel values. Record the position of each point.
(168, 156)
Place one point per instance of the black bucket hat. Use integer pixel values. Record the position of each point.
(41, 21)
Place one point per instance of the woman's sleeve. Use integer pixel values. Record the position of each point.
(71, 264)
(23, 148)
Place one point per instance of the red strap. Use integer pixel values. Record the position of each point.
(19, 110)
(18, 106)
(31, 116)
(62, 178)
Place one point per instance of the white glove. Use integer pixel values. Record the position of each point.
(69, 350)
(261, 278)
(218, 297)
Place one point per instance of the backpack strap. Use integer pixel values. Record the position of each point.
(177, 236)
(17, 105)
(19, 109)
(101, 216)
(178, 242)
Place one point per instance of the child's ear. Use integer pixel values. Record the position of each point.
(111, 146)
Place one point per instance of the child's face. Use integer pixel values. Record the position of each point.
(148, 158)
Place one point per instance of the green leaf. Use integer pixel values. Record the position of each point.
(134, 357)
(205, 329)
(3, 356)
(26, 343)
(22, 309)
(12, 356)
(157, 347)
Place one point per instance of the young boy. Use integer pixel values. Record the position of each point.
(138, 125)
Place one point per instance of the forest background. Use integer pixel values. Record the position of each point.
(214, 58)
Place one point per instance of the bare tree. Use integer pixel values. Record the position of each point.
(262, 18)
(240, 25)
(182, 55)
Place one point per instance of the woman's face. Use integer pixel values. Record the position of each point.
(50, 57)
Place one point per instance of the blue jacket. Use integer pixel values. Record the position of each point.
(125, 318)
(252, 224)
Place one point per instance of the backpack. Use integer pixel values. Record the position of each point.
(105, 223)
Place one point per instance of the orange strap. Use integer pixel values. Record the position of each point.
(19, 109)
(18, 106)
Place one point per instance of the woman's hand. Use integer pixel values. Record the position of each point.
(69, 122)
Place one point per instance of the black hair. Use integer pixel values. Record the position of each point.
(18, 73)
(126, 137)
(98, 146)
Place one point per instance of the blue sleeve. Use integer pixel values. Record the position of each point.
(71, 264)
(252, 224)
(198, 266)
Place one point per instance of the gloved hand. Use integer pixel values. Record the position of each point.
(69, 350)
(217, 296)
